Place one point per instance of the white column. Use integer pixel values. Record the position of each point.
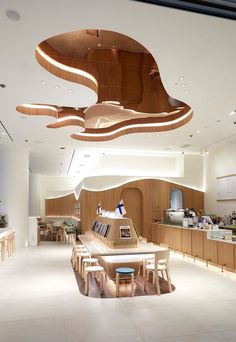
(34, 195)
(14, 189)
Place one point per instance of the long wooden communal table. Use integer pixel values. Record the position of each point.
(98, 249)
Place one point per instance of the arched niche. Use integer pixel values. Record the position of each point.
(176, 199)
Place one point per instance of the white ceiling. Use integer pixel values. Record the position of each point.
(200, 48)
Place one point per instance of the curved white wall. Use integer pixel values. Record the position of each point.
(14, 189)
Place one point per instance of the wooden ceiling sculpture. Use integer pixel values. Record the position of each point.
(125, 78)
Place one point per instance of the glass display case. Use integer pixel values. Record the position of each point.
(220, 234)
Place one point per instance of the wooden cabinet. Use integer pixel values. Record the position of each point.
(155, 235)
(197, 243)
(210, 249)
(225, 253)
(186, 241)
(175, 238)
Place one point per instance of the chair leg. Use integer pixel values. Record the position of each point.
(86, 286)
(153, 278)
(157, 283)
(132, 284)
(101, 277)
(117, 285)
(169, 280)
(145, 280)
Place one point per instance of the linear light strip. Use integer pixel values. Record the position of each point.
(66, 67)
(158, 124)
(70, 117)
(36, 106)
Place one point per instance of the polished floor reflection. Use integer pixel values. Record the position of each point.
(40, 301)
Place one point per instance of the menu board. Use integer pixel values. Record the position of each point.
(226, 188)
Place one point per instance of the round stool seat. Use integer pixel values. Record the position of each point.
(94, 268)
(90, 260)
(125, 270)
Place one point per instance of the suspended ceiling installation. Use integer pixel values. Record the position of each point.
(120, 73)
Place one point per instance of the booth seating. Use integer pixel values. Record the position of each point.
(94, 270)
(162, 265)
(124, 273)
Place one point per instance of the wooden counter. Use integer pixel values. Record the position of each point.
(195, 242)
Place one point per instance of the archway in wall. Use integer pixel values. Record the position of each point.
(176, 199)
(133, 201)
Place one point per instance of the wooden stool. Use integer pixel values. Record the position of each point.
(79, 258)
(93, 270)
(71, 238)
(88, 262)
(2, 248)
(125, 272)
(75, 250)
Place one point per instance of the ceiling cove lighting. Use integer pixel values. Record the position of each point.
(66, 67)
(70, 117)
(36, 106)
(159, 124)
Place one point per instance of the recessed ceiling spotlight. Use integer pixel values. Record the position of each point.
(99, 45)
(232, 113)
(43, 82)
(2, 85)
(181, 78)
(86, 155)
(183, 85)
(198, 131)
(190, 135)
(13, 15)
(187, 91)
(60, 163)
(3, 133)
(62, 148)
(26, 140)
(176, 83)
(57, 87)
(218, 120)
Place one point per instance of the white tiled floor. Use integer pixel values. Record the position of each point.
(40, 302)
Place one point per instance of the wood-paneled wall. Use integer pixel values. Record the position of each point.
(154, 198)
(61, 206)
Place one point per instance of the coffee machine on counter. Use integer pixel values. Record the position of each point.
(180, 217)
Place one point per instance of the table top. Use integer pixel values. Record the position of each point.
(96, 247)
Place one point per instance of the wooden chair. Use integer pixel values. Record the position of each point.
(162, 265)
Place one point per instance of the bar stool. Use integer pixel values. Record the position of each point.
(79, 258)
(76, 250)
(88, 262)
(2, 248)
(94, 270)
(124, 272)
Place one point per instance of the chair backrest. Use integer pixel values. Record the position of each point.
(164, 245)
(163, 255)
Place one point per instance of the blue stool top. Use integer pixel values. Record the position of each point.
(124, 270)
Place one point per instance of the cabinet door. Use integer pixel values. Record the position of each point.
(155, 235)
(210, 249)
(186, 241)
(175, 241)
(225, 254)
(197, 243)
